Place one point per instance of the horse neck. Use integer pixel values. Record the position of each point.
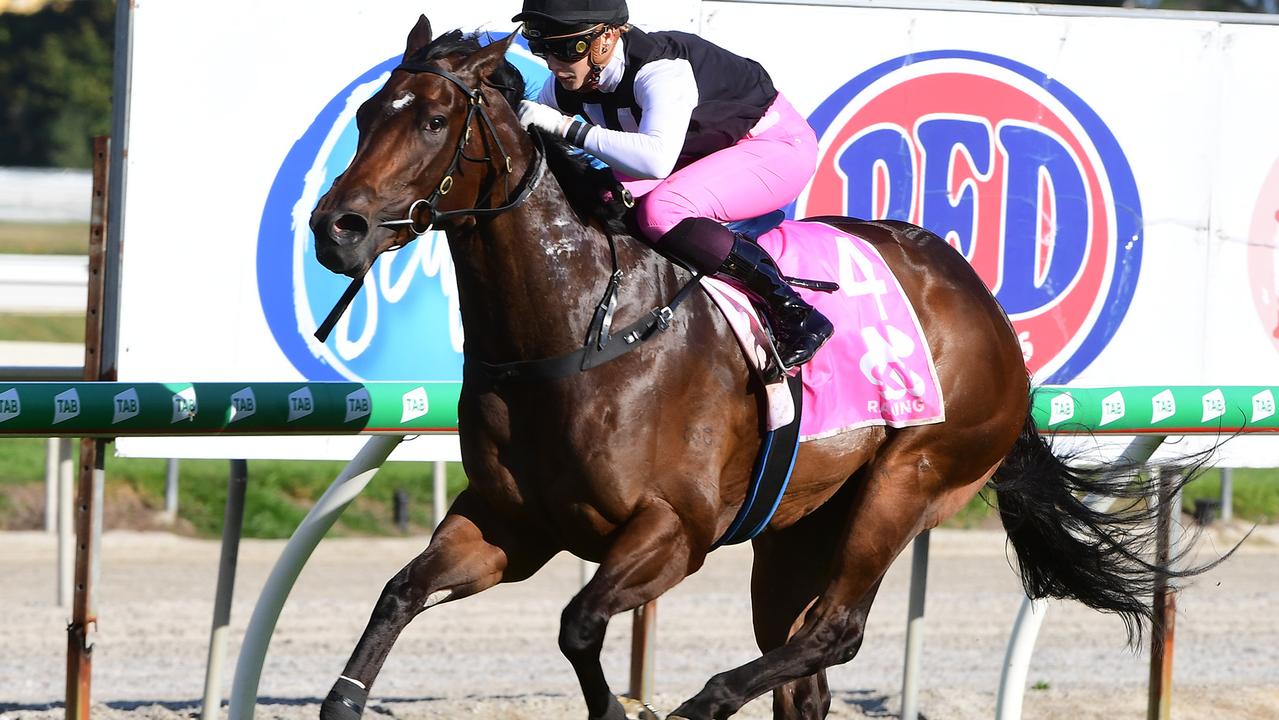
(529, 280)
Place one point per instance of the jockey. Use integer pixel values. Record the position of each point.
(697, 134)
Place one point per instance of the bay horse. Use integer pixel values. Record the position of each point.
(641, 463)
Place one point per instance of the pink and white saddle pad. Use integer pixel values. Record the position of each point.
(877, 369)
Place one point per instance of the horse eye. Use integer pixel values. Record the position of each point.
(436, 123)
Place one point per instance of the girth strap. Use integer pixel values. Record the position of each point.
(771, 476)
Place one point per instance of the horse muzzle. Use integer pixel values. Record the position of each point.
(342, 243)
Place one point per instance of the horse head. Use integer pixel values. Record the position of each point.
(434, 142)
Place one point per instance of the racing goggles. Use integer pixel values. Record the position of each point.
(569, 48)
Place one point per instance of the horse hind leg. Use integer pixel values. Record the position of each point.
(791, 567)
(652, 554)
(887, 510)
(471, 551)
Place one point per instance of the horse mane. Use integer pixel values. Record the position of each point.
(593, 191)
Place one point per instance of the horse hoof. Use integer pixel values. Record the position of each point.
(347, 704)
(637, 709)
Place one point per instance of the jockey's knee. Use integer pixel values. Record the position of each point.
(660, 211)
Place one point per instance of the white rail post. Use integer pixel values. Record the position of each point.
(171, 490)
(1021, 645)
(643, 651)
(439, 493)
(1227, 495)
(354, 477)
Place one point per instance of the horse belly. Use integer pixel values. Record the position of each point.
(822, 467)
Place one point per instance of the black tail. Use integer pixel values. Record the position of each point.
(1066, 549)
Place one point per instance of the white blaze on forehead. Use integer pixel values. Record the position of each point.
(403, 101)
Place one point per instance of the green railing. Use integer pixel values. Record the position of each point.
(1157, 409)
(111, 409)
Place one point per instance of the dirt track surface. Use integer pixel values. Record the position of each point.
(495, 655)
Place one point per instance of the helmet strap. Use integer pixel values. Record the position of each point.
(600, 53)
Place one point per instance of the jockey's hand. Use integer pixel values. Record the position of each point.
(543, 117)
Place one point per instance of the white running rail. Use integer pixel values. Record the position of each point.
(43, 283)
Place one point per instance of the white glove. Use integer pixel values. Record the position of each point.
(543, 117)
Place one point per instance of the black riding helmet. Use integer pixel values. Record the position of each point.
(565, 17)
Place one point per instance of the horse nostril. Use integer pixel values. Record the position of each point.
(350, 226)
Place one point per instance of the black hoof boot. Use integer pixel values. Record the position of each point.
(345, 701)
(615, 711)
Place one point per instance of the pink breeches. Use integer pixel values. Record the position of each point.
(760, 173)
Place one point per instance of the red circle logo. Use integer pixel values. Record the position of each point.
(1263, 254)
(1010, 167)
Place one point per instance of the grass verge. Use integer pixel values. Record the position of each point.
(42, 328)
(277, 497)
(1255, 497)
(44, 238)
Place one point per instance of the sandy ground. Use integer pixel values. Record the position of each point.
(495, 655)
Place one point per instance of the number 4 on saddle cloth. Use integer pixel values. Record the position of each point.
(877, 369)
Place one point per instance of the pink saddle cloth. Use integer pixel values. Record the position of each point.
(877, 369)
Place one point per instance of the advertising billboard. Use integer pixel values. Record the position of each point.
(1113, 179)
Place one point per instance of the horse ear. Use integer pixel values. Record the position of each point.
(419, 36)
(490, 58)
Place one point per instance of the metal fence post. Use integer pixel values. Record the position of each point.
(66, 523)
(257, 637)
(51, 485)
(1159, 703)
(643, 651)
(171, 490)
(232, 527)
(1227, 495)
(915, 626)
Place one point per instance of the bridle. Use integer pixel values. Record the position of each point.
(475, 106)
(602, 343)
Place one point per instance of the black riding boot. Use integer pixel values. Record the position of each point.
(714, 249)
(799, 327)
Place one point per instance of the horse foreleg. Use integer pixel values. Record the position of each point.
(472, 550)
(652, 553)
